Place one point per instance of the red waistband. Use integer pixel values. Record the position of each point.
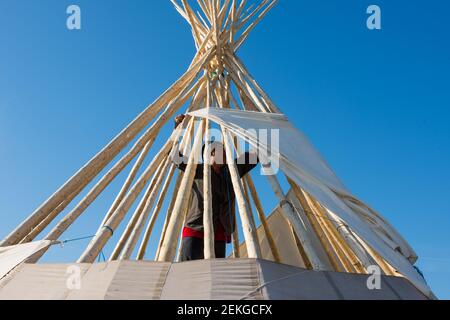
(219, 235)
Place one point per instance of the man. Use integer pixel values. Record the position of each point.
(223, 201)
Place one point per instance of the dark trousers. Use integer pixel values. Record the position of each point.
(192, 249)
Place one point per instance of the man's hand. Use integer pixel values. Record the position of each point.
(178, 120)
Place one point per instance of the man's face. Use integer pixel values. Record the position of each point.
(218, 157)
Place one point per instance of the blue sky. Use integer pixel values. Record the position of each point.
(375, 103)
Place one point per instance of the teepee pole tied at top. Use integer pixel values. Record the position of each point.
(215, 79)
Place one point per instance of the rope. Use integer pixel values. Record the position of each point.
(101, 256)
(62, 242)
(109, 229)
(271, 282)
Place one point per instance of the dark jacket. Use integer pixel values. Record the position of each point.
(223, 197)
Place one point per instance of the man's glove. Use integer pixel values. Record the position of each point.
(178, 120)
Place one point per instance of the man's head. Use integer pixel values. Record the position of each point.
(179, 119)
(217, 156)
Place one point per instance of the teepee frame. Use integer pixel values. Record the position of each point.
(216, 77)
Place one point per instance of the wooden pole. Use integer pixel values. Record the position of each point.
(170, 240)
(244, 184)
(240, 9)
(385, 267)
(250, 209)
(222, 13)
(41, 226)
(205, 9)
(225, 96)
(128, 181)
(203, 47)
(246, 89)
(249, 105)
(70, 218)
(232, 20)
(251, 239)
(216, 30)
(209, 242)
(245, 34)
(56, 232)
(156, 211)
(137, 213)
(262, 218)
(349, 239)
(322, 220)
(185, 143)
(301, 250)
(185, 212)
(288, 209)
(180, 229)
(222, 96)
(236, 244)
(296, 223)
(99, 241)
(346, 254)
(100, 161)
(137, 230)
(193, 22)
(324, 240)
(169, 213)
(253, 13)
(141, 206)
(237, 63)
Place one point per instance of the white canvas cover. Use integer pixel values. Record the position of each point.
(219, 279)
(301, 162)
(113, 280)
(11, 257)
